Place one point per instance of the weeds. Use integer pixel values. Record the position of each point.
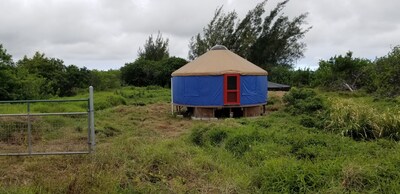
(363, 122)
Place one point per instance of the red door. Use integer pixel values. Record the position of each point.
(232, 89)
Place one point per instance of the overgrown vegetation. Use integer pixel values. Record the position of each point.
(302, 101)
(359, 120)
(149, 151)
(42, 77)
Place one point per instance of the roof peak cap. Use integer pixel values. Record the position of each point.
(218, 47)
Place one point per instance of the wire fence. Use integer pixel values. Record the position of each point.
(47, 127)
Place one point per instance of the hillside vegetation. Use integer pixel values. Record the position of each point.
(310, 141)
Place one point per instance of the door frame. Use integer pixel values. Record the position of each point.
(237, 90)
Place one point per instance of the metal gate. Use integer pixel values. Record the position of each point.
(47, 127)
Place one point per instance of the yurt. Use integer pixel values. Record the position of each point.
(219, 83)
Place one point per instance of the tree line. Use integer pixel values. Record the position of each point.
(39, 77)
(380, 76)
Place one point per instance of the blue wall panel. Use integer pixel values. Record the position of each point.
(198, 90)
(208, 90)
(253, 89)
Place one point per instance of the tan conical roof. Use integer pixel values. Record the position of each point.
(219, 62)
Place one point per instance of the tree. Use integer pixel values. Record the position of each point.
(75, 78)
(303, 77)
(144, 72)
(341, 72)
(51, 69)
(279, 42)
(165, 68)
(138, 73)
(5, 58)
(7, 75)
(61, 80)
(220, 31)
(103, 80)
(154, 49)
(269, 41)
(388, 73)
(281, 75)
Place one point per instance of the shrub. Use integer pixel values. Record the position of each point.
(300, 101)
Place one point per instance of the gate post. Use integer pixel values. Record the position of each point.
(172, 98)
(29, 128)
(91, 119)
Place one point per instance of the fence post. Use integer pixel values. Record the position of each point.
(89, 141)
(29, 129)
(91, 118)
(172, 98)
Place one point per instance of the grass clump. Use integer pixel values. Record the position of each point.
(363, 122)
(288, 176)
(108, 131)
(203, 135)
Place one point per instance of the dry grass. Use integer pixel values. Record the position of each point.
(275, 102)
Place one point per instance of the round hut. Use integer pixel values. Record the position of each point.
(219, 83)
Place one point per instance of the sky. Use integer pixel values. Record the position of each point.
(106, 34)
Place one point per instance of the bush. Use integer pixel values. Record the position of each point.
(300, 101)
(144, 72)
(388, 73)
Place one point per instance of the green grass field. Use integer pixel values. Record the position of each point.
(142, 148)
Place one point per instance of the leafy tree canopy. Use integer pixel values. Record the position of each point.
(7, 76)
(144, 72)
(155, 49)
(388, 73)
(341, 72)
(268, 41)
(5, 58)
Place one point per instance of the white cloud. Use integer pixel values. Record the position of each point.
(106, 34)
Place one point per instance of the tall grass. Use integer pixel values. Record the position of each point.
(361, 121)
